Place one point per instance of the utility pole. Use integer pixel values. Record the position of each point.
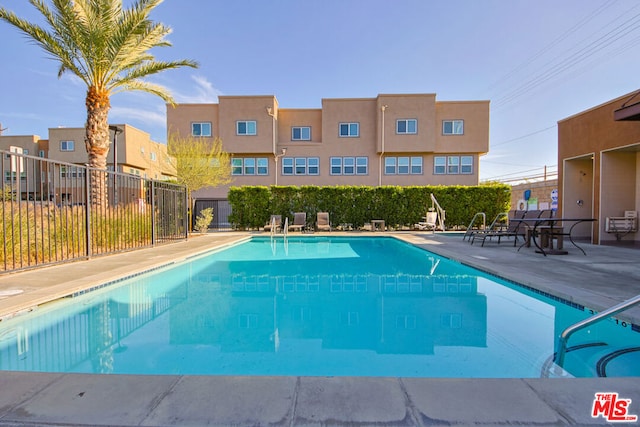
(1, 129)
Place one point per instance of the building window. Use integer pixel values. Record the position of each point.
(406, 126)
(249, 166)
(349, 129)
(201, 129)
(416, 165)
(236, 166)
(439, 165)
(313, 166)
(67, 146)
(349, 165)
(263, 166)
(466, 165)
(389, 165)
(301, 166)
(453, 127)
(246, 127)
(301, 133)
(41, 153)
(453, 165)
(152, 156)
(362, 165)
(403, 165)
(25, 151)
(336, 166)
(287, 166)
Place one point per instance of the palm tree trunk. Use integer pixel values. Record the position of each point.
(97, 143)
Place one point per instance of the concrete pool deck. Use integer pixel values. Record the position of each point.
(604, 277)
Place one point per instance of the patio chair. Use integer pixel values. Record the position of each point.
(274, 220)
(299, 222)
(322, 222)
(513, 229)
(498, 224)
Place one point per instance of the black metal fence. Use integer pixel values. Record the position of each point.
(221, 211)
(55, 212)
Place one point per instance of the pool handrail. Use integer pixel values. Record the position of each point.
(470, 230)
(566, 334)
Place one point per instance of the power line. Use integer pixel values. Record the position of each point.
(555, 42)
(523, 136)
(570, 61)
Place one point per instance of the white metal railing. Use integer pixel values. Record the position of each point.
(566, 334)
(479, 215)
(441, 212)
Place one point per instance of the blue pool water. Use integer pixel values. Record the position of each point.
(314, 306)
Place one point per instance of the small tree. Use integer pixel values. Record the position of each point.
(199, 163)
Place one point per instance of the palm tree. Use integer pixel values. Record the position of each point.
(107, 47)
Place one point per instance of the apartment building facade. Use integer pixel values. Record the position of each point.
(404, 140)
(131, 152)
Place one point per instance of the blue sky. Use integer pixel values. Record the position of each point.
(536, 61)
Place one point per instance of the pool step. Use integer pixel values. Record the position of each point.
(599, 359)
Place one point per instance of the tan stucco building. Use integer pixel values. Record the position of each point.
(135, 152)
(401, 140)
(599, 167)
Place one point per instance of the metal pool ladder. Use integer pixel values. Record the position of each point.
(564, 336)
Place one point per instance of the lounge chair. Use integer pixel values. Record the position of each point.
(498, 224)
(322, 222)
(275, 220)
(299, 222)
(513, 229)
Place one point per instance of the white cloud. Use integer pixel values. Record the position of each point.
(129, 114)
(204, 90)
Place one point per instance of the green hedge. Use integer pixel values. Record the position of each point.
(397, 206)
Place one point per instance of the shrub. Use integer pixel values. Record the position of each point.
(204, 220)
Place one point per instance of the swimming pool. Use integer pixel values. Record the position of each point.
(313, 306)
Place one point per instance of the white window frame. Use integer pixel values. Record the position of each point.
(313, 166)
(335, 166)
(348, 166)
(466, 165)
(247, 125)
(403, 165)
(440, 165)
(407, 130)
(457, 127)
(262, 166)
(287, 166)
(237, 164)
(300, 165)
(390, 166)
(362, 166)
(204, 129)
(416, 165)
(453, 165)
(67, 145)
(249, 164)
(301, 130)
(353, 129)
